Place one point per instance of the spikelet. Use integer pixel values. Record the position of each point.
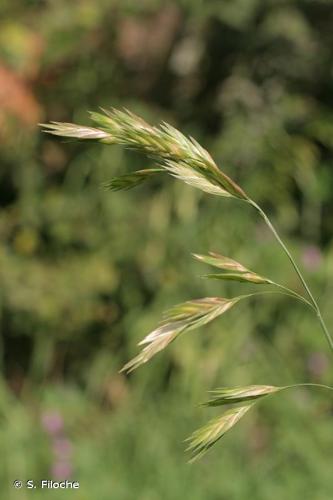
(180, 318)
(235, 270)
(179, 155)
(231, 395)
(205, 437)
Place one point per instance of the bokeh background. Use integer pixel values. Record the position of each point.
(86, 273)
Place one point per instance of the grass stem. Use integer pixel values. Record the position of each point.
(298, 272)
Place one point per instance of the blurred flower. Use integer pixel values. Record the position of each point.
(17, 100)
(317, 364)
(62, 447)
(61, 470)
(52, 422)
(311, 257)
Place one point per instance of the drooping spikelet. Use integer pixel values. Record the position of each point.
(180, 318)
(179, 155)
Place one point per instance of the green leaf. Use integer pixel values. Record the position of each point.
(205, 437)
(183, 317)
(227, 395)
(132, 180)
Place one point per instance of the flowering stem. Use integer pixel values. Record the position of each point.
(286, 292)
(318, 386)
(298, 272)
(296, 295)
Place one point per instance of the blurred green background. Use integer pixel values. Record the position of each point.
(86, 273)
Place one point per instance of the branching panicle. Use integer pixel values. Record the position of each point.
(185, 159)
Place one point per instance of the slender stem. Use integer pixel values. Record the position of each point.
(325, 330)
(298, 272)
(295, 266)
(287, 292)
(320, 386)
(295, 295)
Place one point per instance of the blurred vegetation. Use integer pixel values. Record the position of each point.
(85, 273)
